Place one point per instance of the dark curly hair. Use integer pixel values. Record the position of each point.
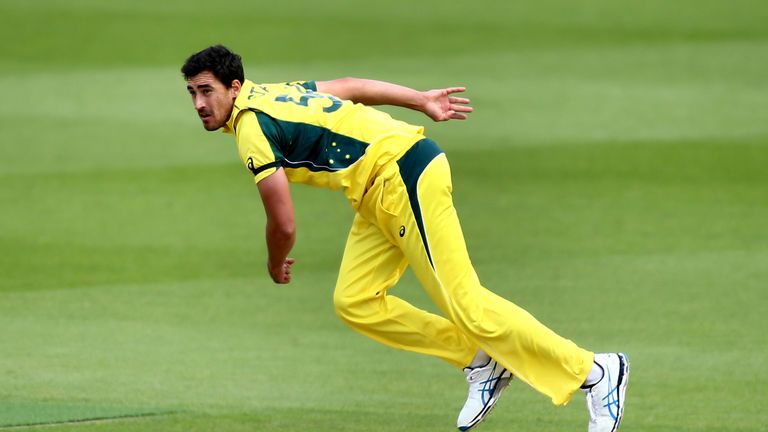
(225, 65)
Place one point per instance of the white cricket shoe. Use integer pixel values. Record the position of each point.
(485, 386)
(605, 400)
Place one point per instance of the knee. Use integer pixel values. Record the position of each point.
(351, 309)
(342, 305)
(479, 321)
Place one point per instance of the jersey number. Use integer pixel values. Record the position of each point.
(304, 100)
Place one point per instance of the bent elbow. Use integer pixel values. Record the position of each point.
(288, 232)
(282, 231)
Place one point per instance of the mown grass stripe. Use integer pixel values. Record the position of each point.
(90, 420)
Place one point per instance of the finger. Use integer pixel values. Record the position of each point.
(458, 100)
(290, 261)
(455, 89)
(462, 108)
(458, 116)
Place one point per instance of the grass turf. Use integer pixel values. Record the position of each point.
(611, 181)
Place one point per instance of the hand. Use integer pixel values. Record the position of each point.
(439, 105)
(281, 274)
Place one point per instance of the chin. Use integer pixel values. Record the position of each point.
(212, 127)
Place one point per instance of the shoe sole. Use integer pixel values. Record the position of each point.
(503, 383)
(623, 381)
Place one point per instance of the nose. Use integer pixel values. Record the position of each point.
(199, 103)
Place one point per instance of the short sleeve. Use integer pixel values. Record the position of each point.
(254, 148)
(309, 85)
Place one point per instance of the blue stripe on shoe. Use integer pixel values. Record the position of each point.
(489, 386)
(611, 400)
(494, 393)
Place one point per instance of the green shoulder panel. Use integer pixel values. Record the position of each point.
(302, 145)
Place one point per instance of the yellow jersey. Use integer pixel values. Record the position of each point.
(317, 138)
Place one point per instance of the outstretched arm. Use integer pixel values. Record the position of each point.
(437, 104)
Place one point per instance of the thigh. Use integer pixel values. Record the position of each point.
(371, 263)
(418, 216)
(448, 266)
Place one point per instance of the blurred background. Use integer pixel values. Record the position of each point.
(612, 181)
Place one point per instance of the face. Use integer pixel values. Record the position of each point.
(213, 100)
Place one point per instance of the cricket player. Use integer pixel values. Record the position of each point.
(324, 133)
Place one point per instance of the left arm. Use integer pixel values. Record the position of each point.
(281, 227)
(437, 104)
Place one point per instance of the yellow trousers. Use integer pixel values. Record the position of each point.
(406, 219)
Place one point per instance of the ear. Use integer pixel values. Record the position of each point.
(235, 89)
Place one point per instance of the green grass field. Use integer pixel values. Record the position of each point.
(612, 181)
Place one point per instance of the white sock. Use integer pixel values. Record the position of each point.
(595, 375)
(481, 359)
